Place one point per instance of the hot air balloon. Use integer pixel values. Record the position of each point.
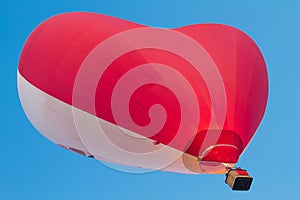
(184, 100)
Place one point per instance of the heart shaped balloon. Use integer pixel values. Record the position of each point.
(187, 99)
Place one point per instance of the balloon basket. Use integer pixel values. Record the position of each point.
(238, 179)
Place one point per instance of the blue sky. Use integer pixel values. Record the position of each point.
(32, 167)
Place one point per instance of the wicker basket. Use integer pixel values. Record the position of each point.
(239, 179)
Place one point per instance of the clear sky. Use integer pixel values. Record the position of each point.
(31, 167)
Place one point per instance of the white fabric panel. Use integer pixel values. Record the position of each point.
(50, 116)
(68, 126)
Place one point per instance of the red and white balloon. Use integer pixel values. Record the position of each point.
(186, 100)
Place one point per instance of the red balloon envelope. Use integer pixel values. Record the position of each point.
(186, 100)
